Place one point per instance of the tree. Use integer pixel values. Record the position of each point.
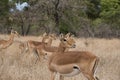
(93, 8)
(4, 16)
(111, 10)
(27, 18)
(110, 14)
(4, 8)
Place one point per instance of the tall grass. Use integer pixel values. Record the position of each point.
(17, 66)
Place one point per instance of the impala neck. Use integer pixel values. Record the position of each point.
(49, 42)
(11, 39)
(44, 38)
(61, 47)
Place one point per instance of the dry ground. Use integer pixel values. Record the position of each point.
(17, 66)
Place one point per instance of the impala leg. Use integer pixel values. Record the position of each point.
(93, 69)
(61, 77)
(94, 65)
(25, 50)
(53, 75)
(37, 55)
(29, 52)
(22, 51)
(37, 60)
(89, 76)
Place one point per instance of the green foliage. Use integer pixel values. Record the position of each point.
(64, 28)
(4, 8)
(110, 10)
(82, 17)
(96, 22)
(93, 8)
(20, 1)
(70, 20)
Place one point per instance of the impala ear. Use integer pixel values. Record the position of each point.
(61, 36)
(15, 32)
(12, 31)
(67, 35)
(45, 34)
(53, 36)
(72, 36)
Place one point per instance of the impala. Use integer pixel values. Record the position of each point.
(38, 48)
(47, 46)
(23, 46)
(6, 43)
(30, 44)
(33, 45)
(53, 48)
(71, 63)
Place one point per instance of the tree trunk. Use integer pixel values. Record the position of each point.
(28, 29)
(56, 16)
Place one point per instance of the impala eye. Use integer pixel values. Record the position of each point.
(45, 53)
(64, 40)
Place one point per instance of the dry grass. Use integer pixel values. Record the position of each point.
(16, 66)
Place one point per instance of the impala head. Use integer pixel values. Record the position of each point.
(67, 42)
(45, 36)
(15, 33)
(52, 36)
(70, 40)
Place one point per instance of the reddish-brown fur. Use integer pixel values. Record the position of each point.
(66, 62)
(6, 43)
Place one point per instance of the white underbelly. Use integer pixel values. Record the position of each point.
(74, 72)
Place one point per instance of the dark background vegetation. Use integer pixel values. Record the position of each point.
(83, 18)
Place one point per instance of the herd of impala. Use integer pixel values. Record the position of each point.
(60, 59)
